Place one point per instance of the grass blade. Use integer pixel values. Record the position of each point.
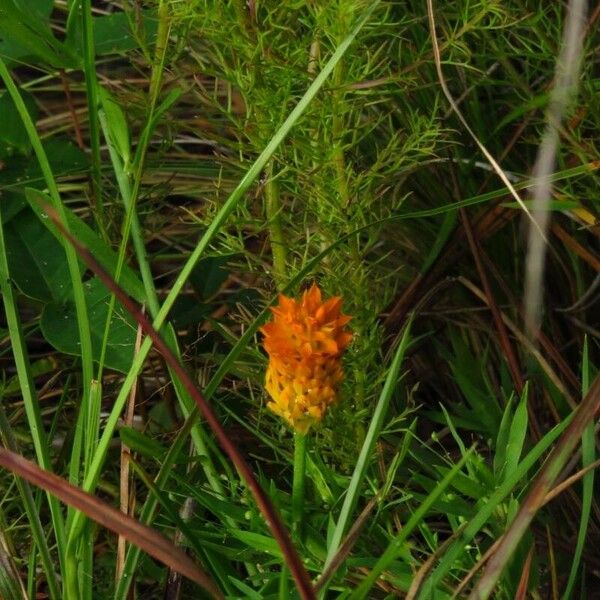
(362, 462)
(588, 455)
(395, 546)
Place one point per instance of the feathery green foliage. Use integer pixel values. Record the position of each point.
(211, 154)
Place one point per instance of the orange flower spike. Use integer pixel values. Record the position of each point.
(305, 341)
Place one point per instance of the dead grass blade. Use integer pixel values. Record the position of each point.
(152, 542)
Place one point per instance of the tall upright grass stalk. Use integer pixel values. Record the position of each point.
(588, 456)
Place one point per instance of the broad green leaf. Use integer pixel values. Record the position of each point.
(42, 8)
(59, 327)
(13, 135)
(37, 261)
(103, 253)
(26, 34)
(11, 50)
(113, 33)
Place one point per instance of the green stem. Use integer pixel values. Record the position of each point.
(299, 482)
(273, 209)
(75, 276)
(91, 86)
(28, 504)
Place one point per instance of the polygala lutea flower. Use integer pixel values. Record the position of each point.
(305, 341)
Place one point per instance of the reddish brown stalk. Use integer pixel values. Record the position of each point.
(504, 340)
(279, 531)
(141, 535)
(521, 593)
(72, 111)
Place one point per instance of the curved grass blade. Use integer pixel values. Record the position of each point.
(146, 538)
(395, 546)
(584, 415)
(588, 455)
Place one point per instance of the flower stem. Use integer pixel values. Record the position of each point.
(299, 482)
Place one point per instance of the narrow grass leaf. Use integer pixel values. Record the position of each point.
(588, 456)
(517, 434)
(502, 439)
(362, 463)
(395, 547)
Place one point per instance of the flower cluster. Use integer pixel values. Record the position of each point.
(305, 341)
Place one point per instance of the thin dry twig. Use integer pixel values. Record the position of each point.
(124, 472)
(497, 168)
